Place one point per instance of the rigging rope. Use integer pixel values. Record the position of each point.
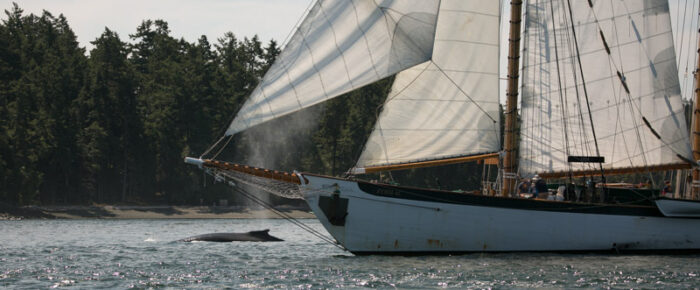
(581, 122)
(561, 93)
(288, 218)
(621, 76)
(251, 183)
(585, 91)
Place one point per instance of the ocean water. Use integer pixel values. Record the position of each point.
(143, 254)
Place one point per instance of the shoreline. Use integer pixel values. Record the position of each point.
(149, 212)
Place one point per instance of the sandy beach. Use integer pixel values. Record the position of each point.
(147, 212)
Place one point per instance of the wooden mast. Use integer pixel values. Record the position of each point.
(509, 146)
(695, 186)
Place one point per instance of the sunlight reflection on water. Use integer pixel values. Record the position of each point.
(143, 253)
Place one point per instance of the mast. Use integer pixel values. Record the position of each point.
(695, 186)
(509, 147)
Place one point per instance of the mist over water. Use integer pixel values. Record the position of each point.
(142, 253)
(277, 145)
(272, 145)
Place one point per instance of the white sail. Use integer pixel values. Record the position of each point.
(340, 46)
(628, 62)
(446, 107)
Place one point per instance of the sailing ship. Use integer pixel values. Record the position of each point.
(600, 96)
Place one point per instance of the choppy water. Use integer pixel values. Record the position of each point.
(142, 254)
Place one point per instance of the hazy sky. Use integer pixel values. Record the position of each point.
(270, 19)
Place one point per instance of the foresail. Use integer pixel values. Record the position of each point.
(626, 71)
(340, 46)
(446, 107)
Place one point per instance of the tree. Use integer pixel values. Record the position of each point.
(43, 75)
(107, 112)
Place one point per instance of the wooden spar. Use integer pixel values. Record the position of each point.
(254, 171)
(489, 161)
(695, 186)
(616, 171)
(509, 162)
(422, 164)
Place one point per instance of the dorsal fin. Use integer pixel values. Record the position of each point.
(264, 232)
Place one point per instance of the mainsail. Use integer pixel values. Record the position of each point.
(613, 77)
(340, 46)
(446, 107)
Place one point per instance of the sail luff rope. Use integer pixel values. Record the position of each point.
(299, 21)
(284, 45)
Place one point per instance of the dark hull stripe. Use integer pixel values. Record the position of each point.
(446, 197)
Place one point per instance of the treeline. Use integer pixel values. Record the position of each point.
(113, 124)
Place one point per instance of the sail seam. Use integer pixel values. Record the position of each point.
(621, 75)
(594, 51)
(630, 156)
(337, 47)
(614, 76)
(313, 61)
(628, 14)
(364, 36)
(465, 93)
(623, 131)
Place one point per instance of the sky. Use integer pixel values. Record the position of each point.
(269, 19)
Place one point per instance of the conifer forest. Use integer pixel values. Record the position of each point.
(113, 124)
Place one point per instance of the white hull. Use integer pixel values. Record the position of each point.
(679, 208)
(384, 222)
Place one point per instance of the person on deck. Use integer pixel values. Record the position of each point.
(667, 191)
(540, 186)
(524, 186)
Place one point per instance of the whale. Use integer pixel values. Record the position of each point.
(253, 236)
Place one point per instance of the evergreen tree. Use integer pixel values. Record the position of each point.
(109, 122)
(116, 125)
(157, 58)
(43, 77)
